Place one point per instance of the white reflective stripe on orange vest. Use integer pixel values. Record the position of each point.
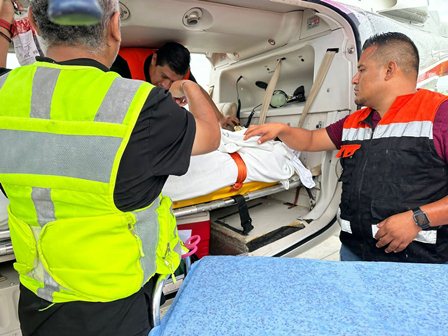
(353, 134)
(415, 129)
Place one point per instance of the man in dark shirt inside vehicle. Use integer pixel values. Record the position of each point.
(161, 67)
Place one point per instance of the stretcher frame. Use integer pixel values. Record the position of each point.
(227, 201)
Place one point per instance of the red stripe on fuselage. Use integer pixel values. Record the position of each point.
(438, 70)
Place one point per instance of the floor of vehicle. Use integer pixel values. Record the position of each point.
(326, 250)
(271, 219)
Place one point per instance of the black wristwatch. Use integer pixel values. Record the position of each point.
(421, 219)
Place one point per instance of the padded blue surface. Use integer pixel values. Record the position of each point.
(258, 296)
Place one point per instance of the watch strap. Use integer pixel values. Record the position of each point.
(421, 219)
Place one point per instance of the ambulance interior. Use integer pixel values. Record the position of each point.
(309, 53)
(283, 47)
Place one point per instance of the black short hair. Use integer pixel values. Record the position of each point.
(176, 56)
(397, 47)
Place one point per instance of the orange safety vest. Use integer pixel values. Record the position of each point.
(136, 58)
(390, 169)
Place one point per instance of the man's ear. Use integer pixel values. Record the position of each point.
(32, 22)
(154, 59)
(114, 25)
(391, 70)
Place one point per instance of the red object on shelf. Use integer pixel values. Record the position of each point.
(197, 224)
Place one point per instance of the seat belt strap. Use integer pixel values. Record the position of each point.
(269, 91)
(315, 88)
(243, 210)
(242, 171)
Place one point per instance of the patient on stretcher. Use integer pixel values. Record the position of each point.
(236, 162)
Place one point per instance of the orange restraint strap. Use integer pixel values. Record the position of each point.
(242, 170)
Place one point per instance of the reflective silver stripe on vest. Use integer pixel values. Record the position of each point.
(117, 101)
(351, 134)
(44, 205)
(415, 129)
(85, 157)
(427, 237)
(3, 79)
(40, 274)
(147, 229)
(45, 213)
(44, 83)
(49, 289)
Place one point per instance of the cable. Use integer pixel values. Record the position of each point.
(238, 110)
(249, 118)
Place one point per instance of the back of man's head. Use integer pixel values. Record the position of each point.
(397, 47)
(91, 37)
(176, 56)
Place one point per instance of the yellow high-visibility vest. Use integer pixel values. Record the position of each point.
(63, 131)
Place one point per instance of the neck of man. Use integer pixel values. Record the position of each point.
(386, 102)
(61, 53)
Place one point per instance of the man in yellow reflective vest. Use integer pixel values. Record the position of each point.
(85, 154)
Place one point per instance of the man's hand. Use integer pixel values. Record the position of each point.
(266, 132)
(397, 232)
(181, 101)
(228, 122)
(177, 91)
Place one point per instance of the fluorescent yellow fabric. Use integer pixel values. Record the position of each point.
(70, 241)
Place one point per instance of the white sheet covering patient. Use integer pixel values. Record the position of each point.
(271, 161)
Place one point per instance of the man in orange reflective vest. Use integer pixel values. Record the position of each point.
(160, 67)
(394, 154)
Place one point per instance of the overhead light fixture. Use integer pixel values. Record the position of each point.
(124, 12)
(198, 19)
(192, 17)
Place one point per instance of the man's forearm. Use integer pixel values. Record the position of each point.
(218, 114)
(306, 140)
(6, 17)
(200, 104)
(4, 46)
(437, 212)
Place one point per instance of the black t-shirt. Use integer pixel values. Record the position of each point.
(160, 145)
(121, 67)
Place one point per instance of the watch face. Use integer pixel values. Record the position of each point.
(421, 219)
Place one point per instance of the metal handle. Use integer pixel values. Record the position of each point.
(156, 296)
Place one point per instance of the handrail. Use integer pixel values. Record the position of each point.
(4, 234)
(6, 248)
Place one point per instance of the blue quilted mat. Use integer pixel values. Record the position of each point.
(255, 296)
